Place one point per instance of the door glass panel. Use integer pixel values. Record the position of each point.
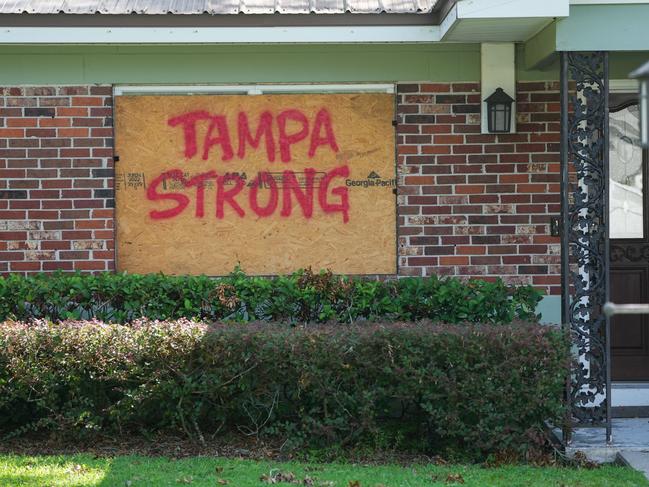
(626, 173)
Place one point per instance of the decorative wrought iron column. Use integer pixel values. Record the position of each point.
(585, 248)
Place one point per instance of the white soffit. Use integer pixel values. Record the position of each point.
(500, 21)
(489, 9)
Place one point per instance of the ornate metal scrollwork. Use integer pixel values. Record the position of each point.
(585, 236)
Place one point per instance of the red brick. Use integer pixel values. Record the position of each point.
(466, 129)
(467, 149)
(73, 90)
(435, 88)
(509, 138)
(12, 215)
(454, 260)
(75, 152)
(408, 149)
(514, 178)
(43, 215)
(87, 101)
(448, 139)
(71, 112)
(104, 254)
(55, 122)
(24, 204)
(11, 256)
(85, 224)
(436, 149)
(531, 188)
(466, 87)
(41, 173)
(480, 139)
(499, 148)
(13, 235)
(547, 279)
(40, 133)
(57, 266)
(471, 249)
(469, 189)
(55, 245)
(58, 225)
(21, 122)
(12, 173)
(25, 266)
(437, 129)
(12, 132)
(90, 265)
(108, 213)
(519, 157)
(74, 132)
(101, 90)
(56, 183)
(104, 234)
(422, 261)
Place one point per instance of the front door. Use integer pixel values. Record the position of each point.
(629, 242)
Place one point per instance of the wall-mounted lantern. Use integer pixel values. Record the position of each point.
(499, 112)
(642, 75)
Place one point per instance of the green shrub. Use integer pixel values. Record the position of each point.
(298, 298)
(433, 388)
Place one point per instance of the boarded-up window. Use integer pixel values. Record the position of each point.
(273, 183)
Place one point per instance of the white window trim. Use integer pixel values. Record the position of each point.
(250, 89)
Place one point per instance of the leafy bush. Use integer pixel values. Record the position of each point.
(433, 388)
(302, 297)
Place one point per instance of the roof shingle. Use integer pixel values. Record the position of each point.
(216, 7)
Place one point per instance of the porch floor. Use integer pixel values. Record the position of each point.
(629, 435)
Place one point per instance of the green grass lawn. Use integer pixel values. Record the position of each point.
(133, 471)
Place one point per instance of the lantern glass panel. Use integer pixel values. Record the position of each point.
(501, 112)
(500, 118)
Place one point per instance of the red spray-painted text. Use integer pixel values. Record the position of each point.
(278, 132)
(291, 126)
(302, 187)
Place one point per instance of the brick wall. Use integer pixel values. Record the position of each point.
(469, 204)
(472, 204)
(56, 197)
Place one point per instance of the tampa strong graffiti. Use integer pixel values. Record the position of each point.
(293, 192)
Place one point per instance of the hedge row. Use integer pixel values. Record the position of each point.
(302, 297)
(432, 388)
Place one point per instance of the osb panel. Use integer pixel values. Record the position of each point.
(266, 227)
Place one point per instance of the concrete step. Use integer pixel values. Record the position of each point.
(629, 434)
(639, 460)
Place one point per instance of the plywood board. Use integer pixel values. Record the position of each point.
(272, 183)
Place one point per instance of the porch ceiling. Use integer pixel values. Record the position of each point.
(488, 21)
(517, 29)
